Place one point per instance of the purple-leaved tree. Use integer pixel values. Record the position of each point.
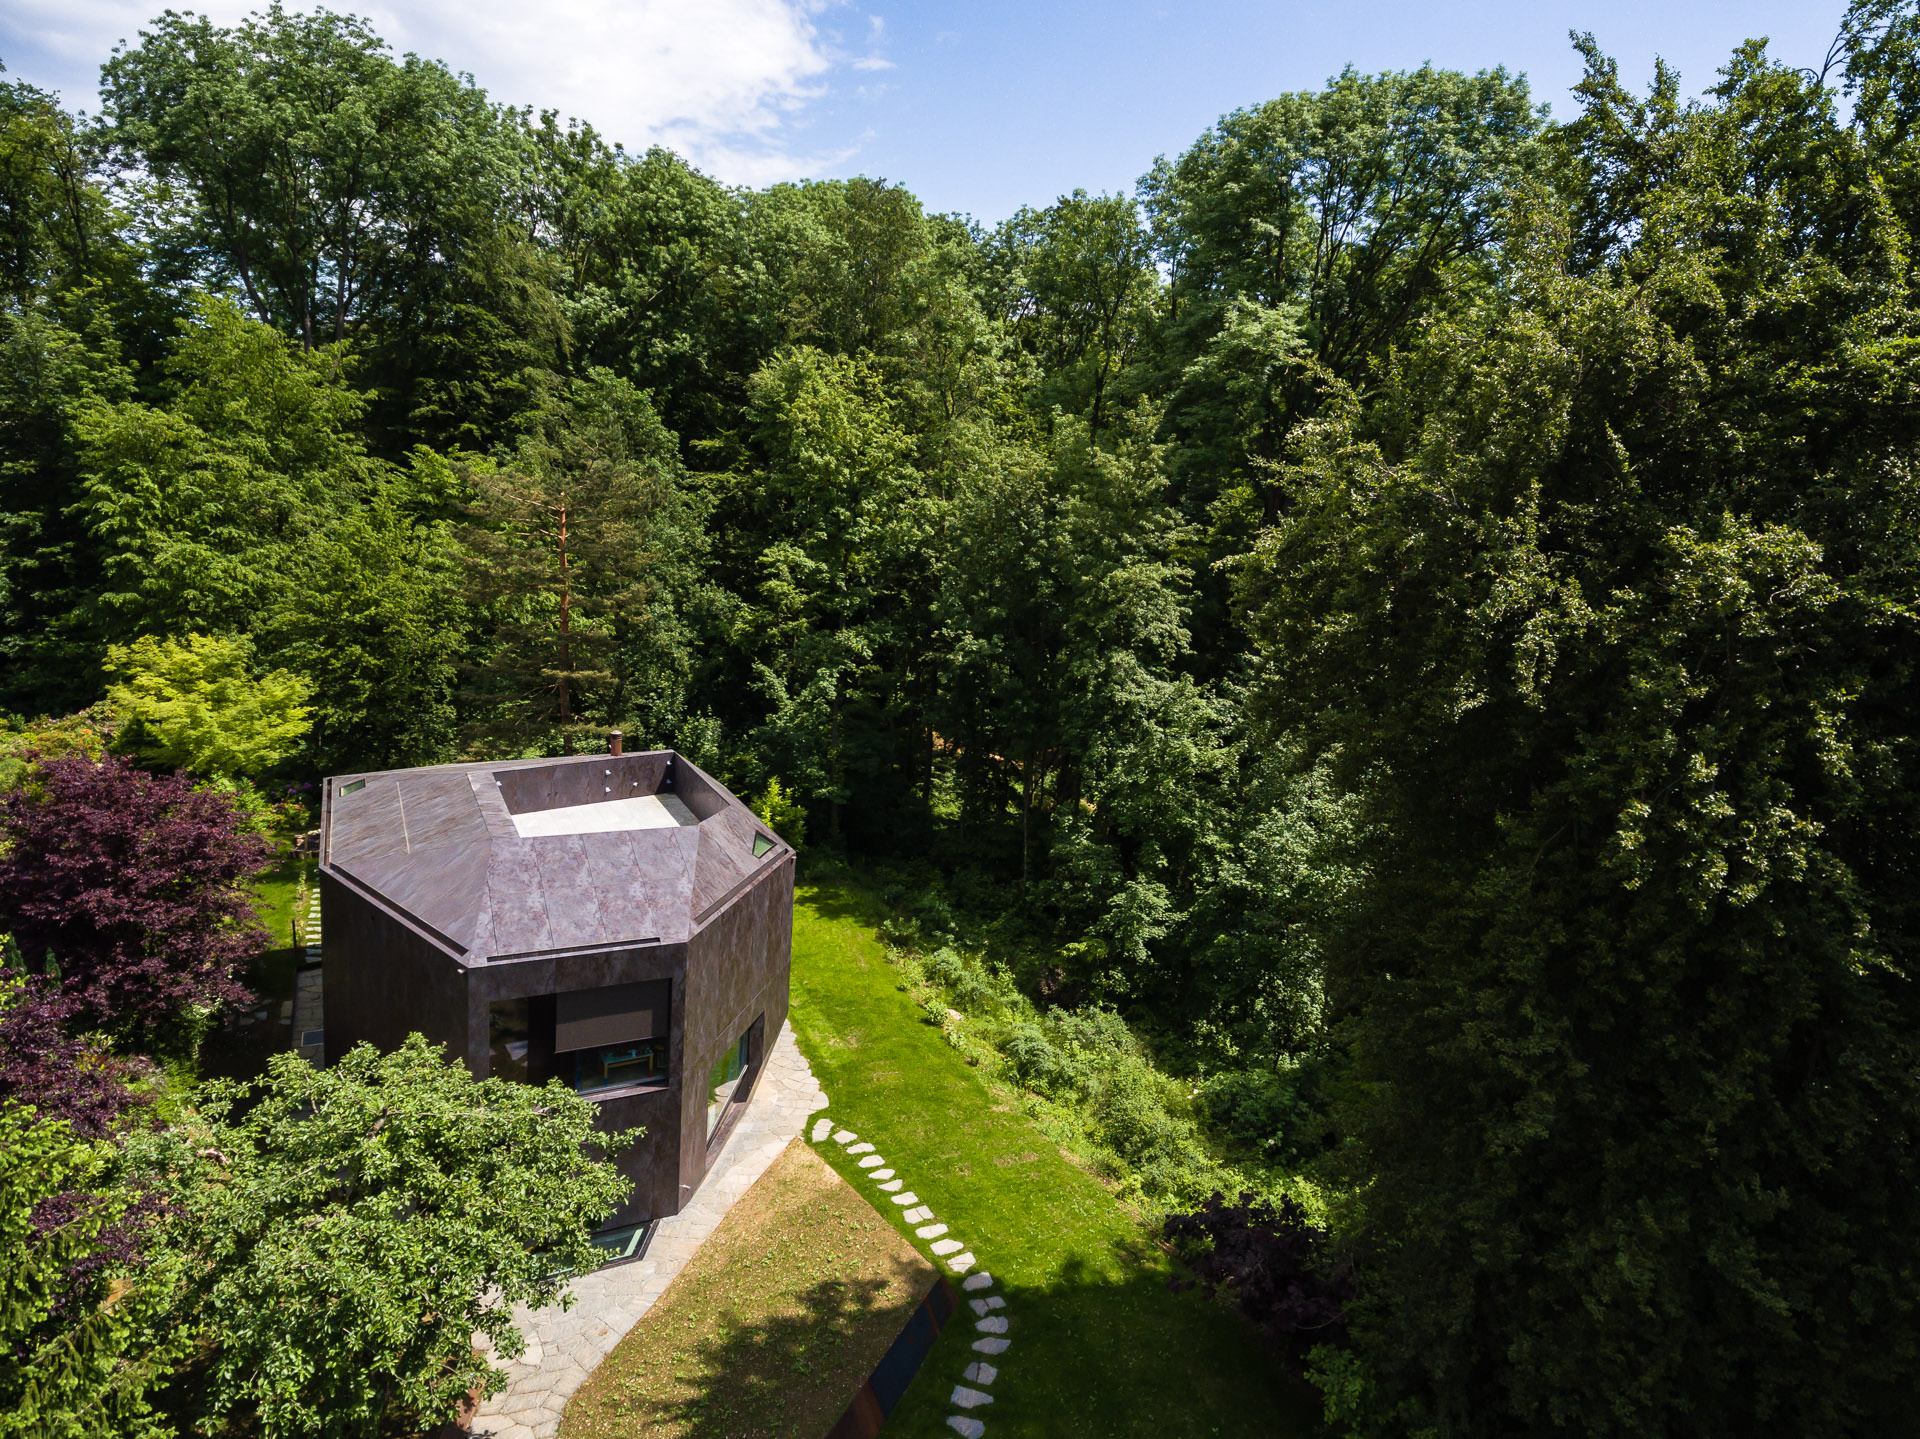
(135, 884)
(62, 1075)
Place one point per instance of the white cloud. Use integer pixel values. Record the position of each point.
(722, 81)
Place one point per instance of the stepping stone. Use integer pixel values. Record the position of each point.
(965, 1398)
(987, 1305)
(908, 1198)
(890, 1185)
(961, 1263)
(821, 1129)
(870, 1161)
(980, 1374)
(862, 1148)
(918, 1216)
(966, 1428)
(931, 1231)
(982, 1280)
(991, 1346)
(844, 1136)
(881, 1174)
(992, 1324)
(944, 1247)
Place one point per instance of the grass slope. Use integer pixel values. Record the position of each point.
(771, 1328)
(1100, 1346)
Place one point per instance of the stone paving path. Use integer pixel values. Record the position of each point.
(989, 1320)
(565, 1346)
(308, 1006)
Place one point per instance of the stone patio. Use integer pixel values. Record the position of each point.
(565, 1346)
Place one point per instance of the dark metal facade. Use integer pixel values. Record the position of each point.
(435, 909)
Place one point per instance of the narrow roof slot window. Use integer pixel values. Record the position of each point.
(353, 786)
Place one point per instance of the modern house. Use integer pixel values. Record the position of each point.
(620, 922)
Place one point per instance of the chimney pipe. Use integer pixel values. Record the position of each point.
(615, 741)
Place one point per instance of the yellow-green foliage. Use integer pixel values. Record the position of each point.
(194, 704)
(782, 814)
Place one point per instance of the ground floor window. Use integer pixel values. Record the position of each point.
(510, 1038)
(597, 1040)
(614, 1066)
(728, 1078)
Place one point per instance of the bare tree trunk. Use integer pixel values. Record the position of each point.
(566, 640)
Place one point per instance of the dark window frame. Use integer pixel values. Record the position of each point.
(755, 1036)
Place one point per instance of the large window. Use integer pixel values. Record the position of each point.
(617, 1066)
(600, 1041)
(730, 1077)
(510, 1036)
(612, 1038)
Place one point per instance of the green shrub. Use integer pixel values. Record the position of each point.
(782, 814)
(944, 966)
(1037, 1062)
(1251, 1107)
(1131, 1115)
(1099, 1033)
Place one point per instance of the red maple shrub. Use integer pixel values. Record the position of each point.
(134, 885)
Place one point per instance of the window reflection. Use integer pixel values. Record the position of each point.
(510, 1032)
(610, 1066)
(724, 1079)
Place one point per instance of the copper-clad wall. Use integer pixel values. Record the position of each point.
(383, 980)
(419, 900)
(653, 1161)
(737, 971)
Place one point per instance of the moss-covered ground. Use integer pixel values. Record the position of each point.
(1100, 1345)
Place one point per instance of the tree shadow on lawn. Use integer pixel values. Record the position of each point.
(1091, 1354)
(791, 1374)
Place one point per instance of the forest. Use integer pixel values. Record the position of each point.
(1403, 609)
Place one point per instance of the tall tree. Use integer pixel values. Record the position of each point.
(1616, 649)
(1080, 296)
(292, 161)
(1306, 234)
(581, 535)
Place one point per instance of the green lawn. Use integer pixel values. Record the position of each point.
(1099, 1345)
(241, 1047)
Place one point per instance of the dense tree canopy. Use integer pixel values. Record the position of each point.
(1411, 606)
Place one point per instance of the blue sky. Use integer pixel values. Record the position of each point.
(978, 107)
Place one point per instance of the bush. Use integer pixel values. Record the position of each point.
(944, 967)
(1131, 1113)
(1036, 1062)
(136, 885)
(782, 814)
(1273, 1264)
(196, 704)
(1252, 1108)
(1099, 1034)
